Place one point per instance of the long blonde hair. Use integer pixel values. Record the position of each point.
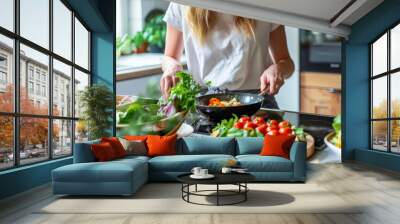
(201, 21)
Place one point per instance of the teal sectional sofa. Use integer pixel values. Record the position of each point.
(125, 176)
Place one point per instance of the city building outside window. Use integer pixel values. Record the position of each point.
(54, 125)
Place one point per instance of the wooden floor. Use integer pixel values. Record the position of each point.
(378, 189)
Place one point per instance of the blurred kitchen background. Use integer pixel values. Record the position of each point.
(315, 86)
(313, 93)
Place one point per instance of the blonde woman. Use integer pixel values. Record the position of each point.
(232, 52)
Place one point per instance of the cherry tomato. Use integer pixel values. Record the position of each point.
(244, 119)
(273, 133)
(284, 124)
(239, 125)
(272, 127)
(258, 121)
(262, 129)
(273, 122)
(249, 125)
(285, 131)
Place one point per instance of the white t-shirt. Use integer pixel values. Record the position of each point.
(228, 58)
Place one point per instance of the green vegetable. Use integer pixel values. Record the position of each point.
(300, 134)
(337, 126)
(183, 95)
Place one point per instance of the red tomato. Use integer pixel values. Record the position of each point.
(273, 133)
(262, 129)
(272, 127)
(239, 125)
(244, 119)
(284, 124)
(285, 131)
(249, 125)
(273, 122)
(258, 121)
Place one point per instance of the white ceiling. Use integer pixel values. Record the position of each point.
(321, 9)
(317, 15)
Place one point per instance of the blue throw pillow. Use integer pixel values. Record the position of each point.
(249, 145)
(207, 145)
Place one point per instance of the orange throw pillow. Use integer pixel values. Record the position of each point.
(161, 145)
(277, 145)
(135, 137)
(103, 152)
(116, 145)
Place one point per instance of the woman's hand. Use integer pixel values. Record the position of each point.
(168, 80)
(282, 68)
(171, 64)
(272, 80)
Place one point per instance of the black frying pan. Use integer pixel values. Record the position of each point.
(250, 104)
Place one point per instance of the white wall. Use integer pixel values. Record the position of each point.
(288, 97)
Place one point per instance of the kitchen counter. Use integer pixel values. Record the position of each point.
(140, 65)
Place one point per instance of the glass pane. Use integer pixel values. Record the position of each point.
(7, 14)
(379, 97)
(395, 94)
(81, 81)
(81, 131)
(395, 138)
(35, 21)
(6, 142)
(62, 89)
(34, 97)
(379, 55)
(33, 140)
(379, 135)
(6, 74)
(62, 138)
(62, 29)
(81, 45)
(395, 47)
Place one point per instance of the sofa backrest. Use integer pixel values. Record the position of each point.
(206, 145)
(249, 145)
(83, 152)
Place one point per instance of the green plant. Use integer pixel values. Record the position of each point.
(155, 30)
(138, 40)
(97, 102)
(124, 45)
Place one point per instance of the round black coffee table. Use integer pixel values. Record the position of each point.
(238, 179)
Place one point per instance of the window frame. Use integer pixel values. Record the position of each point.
(388, 74)
(16, 115)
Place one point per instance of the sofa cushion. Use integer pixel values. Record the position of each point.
(249, 145)
(185, 163)
(83, 152)
(116, 145)
(198, 145)
(277, 145)
(161, 145)
(112, 171)
(103, 152)
(257, 163)
(134, 147)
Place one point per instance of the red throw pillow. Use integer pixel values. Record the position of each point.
(135, 137)
(116, 145)
(103, 151)
(277, 145)
(161, 145)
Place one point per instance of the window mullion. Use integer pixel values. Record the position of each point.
(16, 84)
(389, 101)
(50, 81)
(73, 82)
